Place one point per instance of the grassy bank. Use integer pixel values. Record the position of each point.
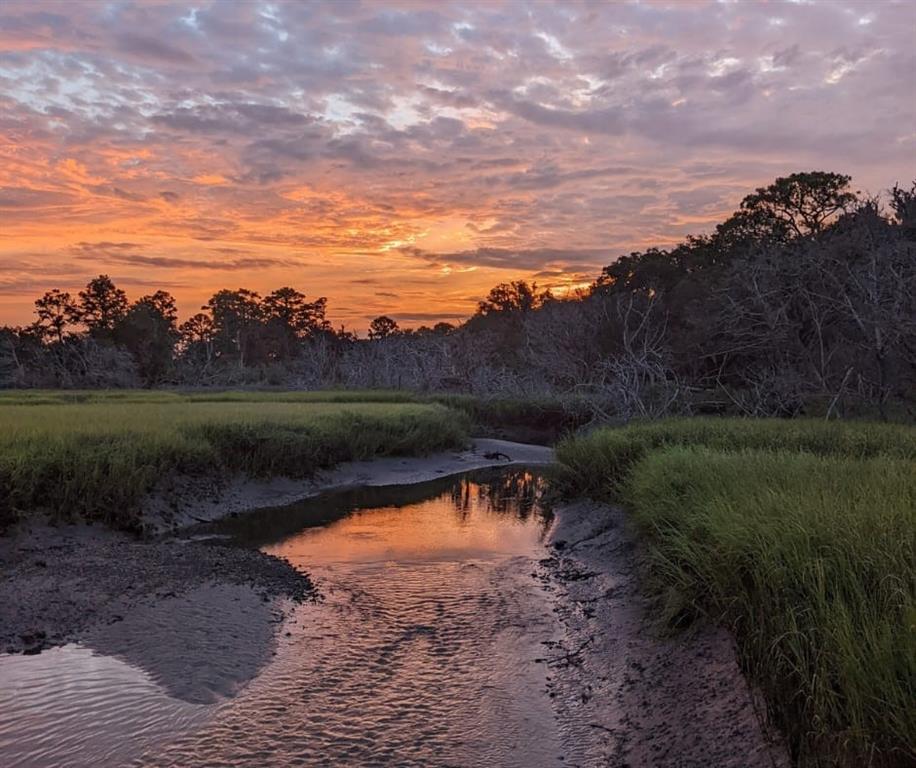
(541, 420)
(800, 536)
(98, 456)
(536, 420)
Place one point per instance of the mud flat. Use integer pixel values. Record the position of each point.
(202, 616)
(171, 603)
(633, 697)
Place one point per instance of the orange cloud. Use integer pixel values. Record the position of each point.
(211, 180)
(403, 162)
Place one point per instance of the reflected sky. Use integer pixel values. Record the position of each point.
(423, 651)
(471, 518)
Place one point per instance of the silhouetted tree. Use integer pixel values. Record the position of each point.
(101, 306)
(291, 319)
(56, 310)
(803, 203)
(236, 317)
(196, 340)
(149, 332)
(903, 204)
(383, 327)
(516, 296)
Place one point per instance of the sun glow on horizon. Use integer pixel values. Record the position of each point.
(404, 163)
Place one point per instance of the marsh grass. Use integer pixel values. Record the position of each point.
(84, 396)
(528, 419)
(801, 537)
(96, 458)
(598, 463)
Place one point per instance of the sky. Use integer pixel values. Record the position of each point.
(404, 157)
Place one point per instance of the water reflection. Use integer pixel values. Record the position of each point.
(518, 493)
(71, 708)
(423, 652)
(512, 493)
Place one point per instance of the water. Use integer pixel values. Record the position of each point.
(423, 651)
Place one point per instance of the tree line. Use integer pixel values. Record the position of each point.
(802, 301)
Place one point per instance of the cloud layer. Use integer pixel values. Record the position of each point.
(403, 157)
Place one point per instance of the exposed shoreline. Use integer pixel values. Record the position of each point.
(202, 617)
(636, 697)
(181, 502)
(138, 597)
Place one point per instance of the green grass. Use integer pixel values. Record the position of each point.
(534, 419)
(801, 537)
(83, 396)
(596, 464)
(96, 458)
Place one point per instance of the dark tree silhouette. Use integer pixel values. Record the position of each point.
(236, 319)
(149, 332)
(803, 202)
(56, 310)
(101, 306)
(290, 308)
(383, 327)
(289, 319)
(516, 296)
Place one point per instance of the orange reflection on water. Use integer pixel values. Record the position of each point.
(471, 520)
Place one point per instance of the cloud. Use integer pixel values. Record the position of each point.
(428, 151)
(150, 48)
(527, 260)
(125, 253)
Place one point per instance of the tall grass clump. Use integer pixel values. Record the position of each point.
(597, 463)
(812, 562)
(97, 460)
(801, 538)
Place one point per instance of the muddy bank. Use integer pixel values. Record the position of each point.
(199, 617)
(178, 502)
(630, 696)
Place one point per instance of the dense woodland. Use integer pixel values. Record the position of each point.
(803, 301)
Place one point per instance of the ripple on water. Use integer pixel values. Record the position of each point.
(70, 707)
(422, 653)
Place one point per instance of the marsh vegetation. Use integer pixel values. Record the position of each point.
(94, 456)
(800, 537)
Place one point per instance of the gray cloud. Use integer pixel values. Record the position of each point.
(520, 138)
(151, 48)
(120, 253)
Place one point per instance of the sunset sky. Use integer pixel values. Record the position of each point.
(403, 158)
